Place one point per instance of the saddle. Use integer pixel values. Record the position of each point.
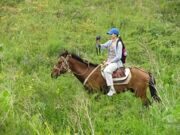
(120, 76)
(120, 72)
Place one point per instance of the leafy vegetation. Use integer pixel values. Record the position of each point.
(33, 33)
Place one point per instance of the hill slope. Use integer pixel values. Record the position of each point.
(32, 33)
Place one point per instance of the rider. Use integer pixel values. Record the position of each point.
(114, 58)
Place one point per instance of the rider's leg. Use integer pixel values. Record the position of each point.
(108, 75)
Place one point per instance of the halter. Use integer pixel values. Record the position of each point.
(65, 65)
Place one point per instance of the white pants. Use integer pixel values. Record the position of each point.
(109, 69)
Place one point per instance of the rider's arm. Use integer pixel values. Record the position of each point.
(105, 45)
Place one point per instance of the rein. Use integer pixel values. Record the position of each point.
(91, 74)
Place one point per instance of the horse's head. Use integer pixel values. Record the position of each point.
(61, 67)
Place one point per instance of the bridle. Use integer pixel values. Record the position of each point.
(65, 65)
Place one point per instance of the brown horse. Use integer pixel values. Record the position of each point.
(138, 83)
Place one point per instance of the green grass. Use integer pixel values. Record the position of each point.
(33, 33)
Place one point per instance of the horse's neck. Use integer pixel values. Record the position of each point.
(79, 69)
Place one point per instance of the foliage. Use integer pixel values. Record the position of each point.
(32, 35)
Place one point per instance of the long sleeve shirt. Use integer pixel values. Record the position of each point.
(114, 53)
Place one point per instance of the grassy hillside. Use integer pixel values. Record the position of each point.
(34, 32)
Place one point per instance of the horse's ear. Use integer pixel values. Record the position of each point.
(63, 53)
(66, 52)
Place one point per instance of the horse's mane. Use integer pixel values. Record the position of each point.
(75, 56)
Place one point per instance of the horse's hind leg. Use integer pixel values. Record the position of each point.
(146, 102)
(142, 94)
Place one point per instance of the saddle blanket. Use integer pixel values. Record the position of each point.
(120, 80)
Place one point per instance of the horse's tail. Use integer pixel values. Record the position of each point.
(152, 88)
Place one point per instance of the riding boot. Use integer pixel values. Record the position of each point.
(112, 91)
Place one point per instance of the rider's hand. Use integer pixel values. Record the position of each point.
(98, 38)
(107, 63)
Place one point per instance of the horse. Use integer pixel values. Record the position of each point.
(90, 75)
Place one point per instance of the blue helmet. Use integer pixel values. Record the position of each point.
(113, 31)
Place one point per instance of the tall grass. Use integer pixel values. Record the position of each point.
(33, 33)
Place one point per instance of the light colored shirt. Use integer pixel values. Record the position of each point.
(111, 52)
(114, 53)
